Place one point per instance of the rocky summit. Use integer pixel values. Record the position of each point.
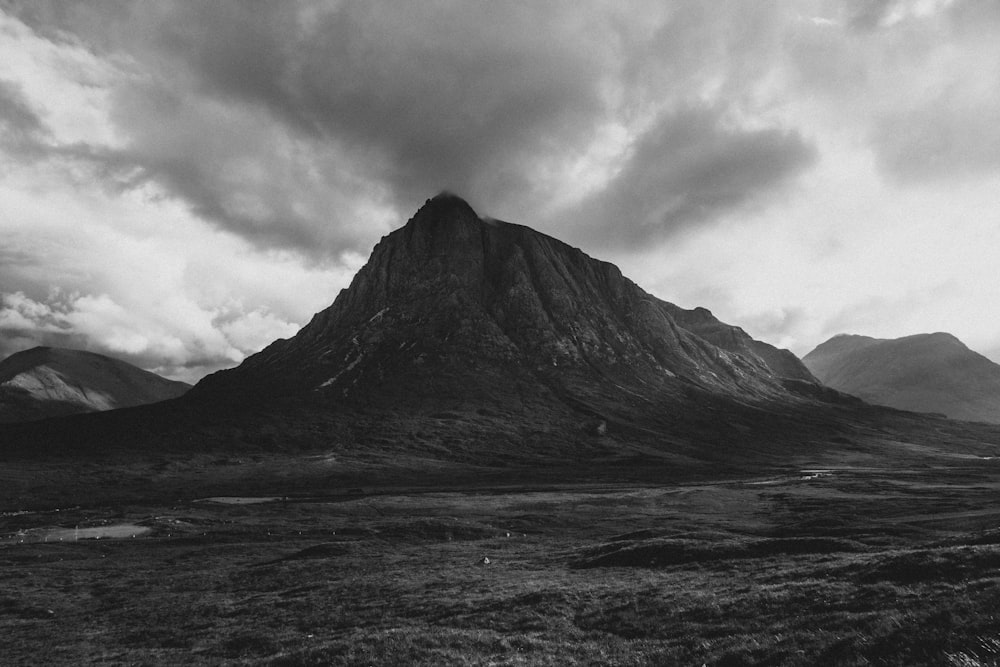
(455, 306)
(478, 342)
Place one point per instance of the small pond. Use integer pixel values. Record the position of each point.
(110, 531)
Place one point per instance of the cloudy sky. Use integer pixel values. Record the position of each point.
(183, 182)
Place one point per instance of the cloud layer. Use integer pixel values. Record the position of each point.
(692, 167)
(286, 122)
(160, 157)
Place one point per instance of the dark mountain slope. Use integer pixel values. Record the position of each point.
(51, 382)
(701, 322)
(451, 304)
(489, 346)
(924, 373)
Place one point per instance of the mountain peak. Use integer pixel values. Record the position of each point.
(445, 206)
(450, 295)
(446, 197)
(944, 338)
(445, 226)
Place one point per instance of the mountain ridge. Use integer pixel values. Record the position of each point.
(931, 372)
(47, 382)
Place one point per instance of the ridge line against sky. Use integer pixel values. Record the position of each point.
(181, 183)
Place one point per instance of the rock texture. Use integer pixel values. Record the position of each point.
(52, 382)
(933, 373)
(452, 306)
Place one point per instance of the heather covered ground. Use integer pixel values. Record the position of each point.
(849, 565)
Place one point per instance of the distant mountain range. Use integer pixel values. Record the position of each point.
(53, 382)
(933, 373)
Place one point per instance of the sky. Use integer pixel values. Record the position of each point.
(183, 182)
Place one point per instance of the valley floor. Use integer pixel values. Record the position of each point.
(833, 566)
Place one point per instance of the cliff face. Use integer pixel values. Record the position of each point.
(456, 304)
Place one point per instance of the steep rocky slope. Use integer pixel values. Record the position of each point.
(924, 373)
(452, 304)
(475, 342)
(51, 382)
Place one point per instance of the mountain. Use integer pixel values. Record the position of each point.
(476, 342)
(452, 306)
(924, 373)
(53, 382)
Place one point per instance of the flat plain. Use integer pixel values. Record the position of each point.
(818, 561)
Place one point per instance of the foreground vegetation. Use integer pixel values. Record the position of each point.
(849, 566)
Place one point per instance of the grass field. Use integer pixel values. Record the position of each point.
(837, 566)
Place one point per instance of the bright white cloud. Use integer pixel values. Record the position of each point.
(853, 256)
(67, 80)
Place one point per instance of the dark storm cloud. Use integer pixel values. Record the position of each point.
(228, 169)
(690, 168)
(274, 120)
(400, 99)
(451, 95)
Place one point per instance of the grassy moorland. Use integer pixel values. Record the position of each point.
(721, 535)
(848, 565)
